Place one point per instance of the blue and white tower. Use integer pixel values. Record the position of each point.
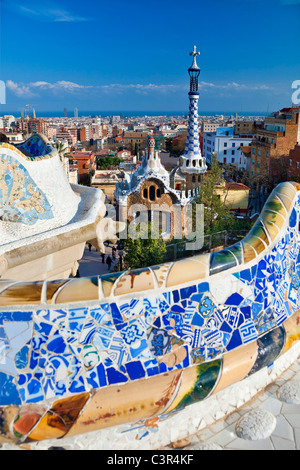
(192, 161)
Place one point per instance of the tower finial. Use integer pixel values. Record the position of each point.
(194, 72)
(194, 54)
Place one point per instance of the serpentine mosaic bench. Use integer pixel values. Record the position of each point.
(45, 221)
(78, 355)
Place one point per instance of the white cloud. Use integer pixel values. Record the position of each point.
(138, 88)
(48, 12)
(233, 86)
(60, 85)
(34, 88)
(21, 90)
(40, 87)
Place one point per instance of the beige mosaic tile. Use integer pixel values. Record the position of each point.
(189, 269)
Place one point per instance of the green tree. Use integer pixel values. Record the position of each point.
(105, 163)
(148, 249)
(62, 150)
(136, 148)
(217, 215)
(233, 173)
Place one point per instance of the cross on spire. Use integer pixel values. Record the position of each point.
(194, 54)
(195, 51)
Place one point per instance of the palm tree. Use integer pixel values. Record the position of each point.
(61, 149)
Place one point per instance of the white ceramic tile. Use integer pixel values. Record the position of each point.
(283, 429)
(282, 444)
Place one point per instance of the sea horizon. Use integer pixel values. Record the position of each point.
(132, 113)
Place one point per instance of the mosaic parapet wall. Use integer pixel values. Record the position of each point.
(33, 185)
(79, 355)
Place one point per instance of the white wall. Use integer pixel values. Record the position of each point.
(227, 149)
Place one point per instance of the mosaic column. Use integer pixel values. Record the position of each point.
(192, 146)
(192, 160)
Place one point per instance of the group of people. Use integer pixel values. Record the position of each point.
(109, 259)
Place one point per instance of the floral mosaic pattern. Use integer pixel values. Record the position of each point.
(20, 198)
(126, 330)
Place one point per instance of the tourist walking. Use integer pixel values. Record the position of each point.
(109, 262)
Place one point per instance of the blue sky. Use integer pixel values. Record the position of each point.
(134, 55)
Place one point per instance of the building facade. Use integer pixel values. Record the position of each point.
(279, 134)
(294, 163)
(227, 146)
(152, 191)
(244, 127)
(131, 138)
(85, 163)
(32, 126)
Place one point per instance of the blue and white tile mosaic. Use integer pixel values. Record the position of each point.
(48, 353)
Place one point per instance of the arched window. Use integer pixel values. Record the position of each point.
(145, 193)
(194, 162)
(158, 192)
(194, 179)
(152, 193)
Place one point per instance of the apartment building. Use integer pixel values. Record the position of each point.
(65, 134)
(208, 126)
(88, 132)
(227, 146)
(244, 127)
(293, 161)
(130, 138)
(32, 126)
(6, 121)
(279, 135)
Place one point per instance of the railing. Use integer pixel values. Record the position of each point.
(209, 243)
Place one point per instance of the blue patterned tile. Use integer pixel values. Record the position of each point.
(248, 332)
(151, 367)
(77, 386)
(159, 341)
(9, 393)
(132, 308)
(134, 337)
(102, 337)
(206, 307)
(101, 314)
(77, 318)
(116, 315)
(57, 344)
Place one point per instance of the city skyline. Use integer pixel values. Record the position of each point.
(127, 56)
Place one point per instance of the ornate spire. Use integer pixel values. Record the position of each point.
(194, 72)
(192, 160)
(194, 54)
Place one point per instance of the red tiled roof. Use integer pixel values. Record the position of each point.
(288, 110)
